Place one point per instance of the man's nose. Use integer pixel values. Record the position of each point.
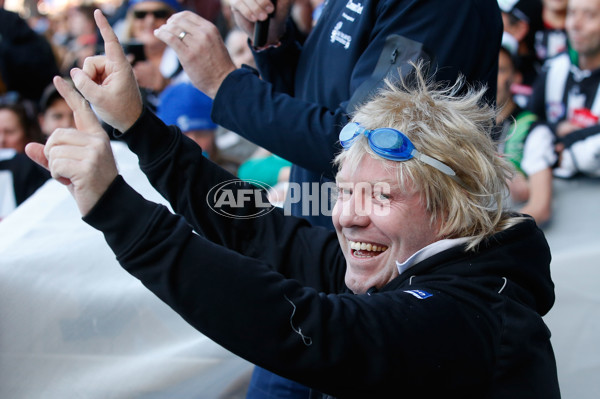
(355, 211)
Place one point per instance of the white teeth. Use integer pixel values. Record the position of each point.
(363, 246)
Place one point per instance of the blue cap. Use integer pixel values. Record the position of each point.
(174, 4)
(186, 107)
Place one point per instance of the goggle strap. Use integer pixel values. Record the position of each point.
(439, 165)
(442, 167)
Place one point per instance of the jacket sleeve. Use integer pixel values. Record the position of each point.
(306, 132)
(345, 345)
(278, 65)
(194, 186)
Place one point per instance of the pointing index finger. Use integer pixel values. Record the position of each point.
(85, 118)
(112, 47)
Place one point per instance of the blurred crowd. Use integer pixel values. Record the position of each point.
(547, 87)
(36, 48)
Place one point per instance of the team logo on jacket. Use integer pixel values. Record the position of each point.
(352, 10)
(239, 199)
(338, 36)
(355, 7)
(419, 294)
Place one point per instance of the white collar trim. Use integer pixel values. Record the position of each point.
(429, 251)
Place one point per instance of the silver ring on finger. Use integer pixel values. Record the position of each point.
(182, 35)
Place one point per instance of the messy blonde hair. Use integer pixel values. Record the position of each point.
(455, 129)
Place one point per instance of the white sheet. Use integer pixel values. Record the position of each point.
(74, 324)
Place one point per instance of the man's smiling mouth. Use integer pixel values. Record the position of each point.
(366, 250)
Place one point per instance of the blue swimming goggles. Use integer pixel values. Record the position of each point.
(392, 144)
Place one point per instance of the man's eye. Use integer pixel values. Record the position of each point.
(344, 192)
(382, 196)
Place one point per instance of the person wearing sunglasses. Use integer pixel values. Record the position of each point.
(155, 65)
(428, 287)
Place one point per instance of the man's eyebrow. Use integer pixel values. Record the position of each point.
(391, 182)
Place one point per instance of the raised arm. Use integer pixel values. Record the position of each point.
(83, 159)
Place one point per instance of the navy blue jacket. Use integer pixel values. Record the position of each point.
(302, 104)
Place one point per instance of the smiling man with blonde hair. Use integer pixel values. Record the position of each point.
(429, 289)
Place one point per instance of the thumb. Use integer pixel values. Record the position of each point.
(35, 151)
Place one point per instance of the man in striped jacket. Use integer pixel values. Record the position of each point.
(566, 99)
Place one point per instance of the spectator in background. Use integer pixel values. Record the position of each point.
(19, 176)
(18, 123)
(522, 19)
(552, 40)
(58, 35)
(566, 99)
(54, 112)
(154, 64)
(512, 121)
(27, 63)
(83, 37)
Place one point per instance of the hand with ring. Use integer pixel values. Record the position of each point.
(201, 37)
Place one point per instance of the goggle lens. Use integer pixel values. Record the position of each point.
(349, 133)
(390, 143)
